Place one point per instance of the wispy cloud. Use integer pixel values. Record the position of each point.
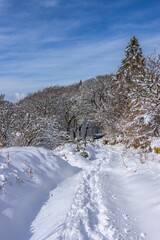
(67, 64)
(62, 66)
(2, 3)
(69, 40)
(49, 3)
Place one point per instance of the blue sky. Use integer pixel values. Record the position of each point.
(58, 42)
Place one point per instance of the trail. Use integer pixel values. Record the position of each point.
(105, 201)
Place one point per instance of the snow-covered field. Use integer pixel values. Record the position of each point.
(110, 195)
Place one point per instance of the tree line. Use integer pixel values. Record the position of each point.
(124, 106)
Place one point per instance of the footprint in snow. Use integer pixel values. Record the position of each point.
(114, 196)
(142, 236)
(125, 216)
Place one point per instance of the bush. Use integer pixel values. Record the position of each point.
(157, 150)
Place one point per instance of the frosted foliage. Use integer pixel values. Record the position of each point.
(133, 64)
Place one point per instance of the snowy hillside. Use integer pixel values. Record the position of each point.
(109, 195)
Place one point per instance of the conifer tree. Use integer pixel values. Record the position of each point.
(131, 81)
(133, 65)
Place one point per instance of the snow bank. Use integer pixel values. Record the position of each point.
(75, 158)
(155, 143)
(26, 176)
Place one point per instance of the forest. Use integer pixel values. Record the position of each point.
(121, 107)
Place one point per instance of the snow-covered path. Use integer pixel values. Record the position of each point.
(105, 201)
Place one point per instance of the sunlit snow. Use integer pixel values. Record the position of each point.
(110, 195)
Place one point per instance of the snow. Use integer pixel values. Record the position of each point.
(110, 195)
(27, 176)
(155, 143)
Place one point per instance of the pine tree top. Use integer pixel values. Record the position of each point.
(134, 63)
(133, 49)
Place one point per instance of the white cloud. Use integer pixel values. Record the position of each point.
(50, 3)
(19, 96)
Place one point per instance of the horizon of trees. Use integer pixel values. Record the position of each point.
(124, 106)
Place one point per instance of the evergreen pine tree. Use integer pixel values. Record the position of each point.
(133, 65)
(131, 79)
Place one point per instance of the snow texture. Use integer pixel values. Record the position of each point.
(110, 195)
(26, 177)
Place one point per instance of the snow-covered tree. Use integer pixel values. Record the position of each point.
(133, 64)
(153, 78)
(30, 129)
(6, 113)
(132, 86)
(153, 92)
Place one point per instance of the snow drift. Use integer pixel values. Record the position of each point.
(26, 176)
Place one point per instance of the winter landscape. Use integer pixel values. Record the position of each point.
(62, 195)
(79, 159)
(86, 188)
